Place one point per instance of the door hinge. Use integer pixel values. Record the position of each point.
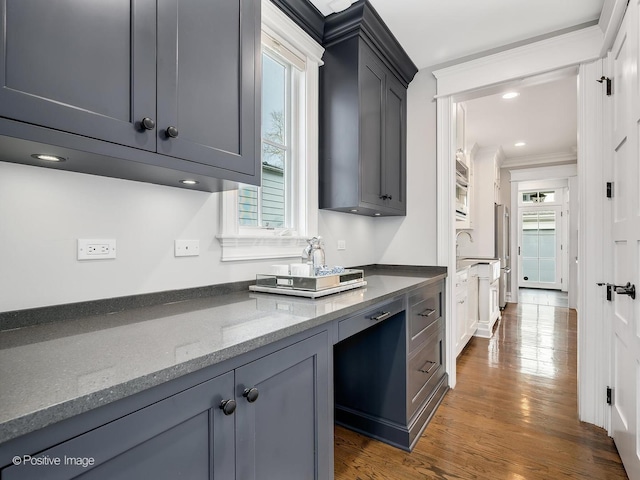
(609, 83)
(609, 189)
(609, 395)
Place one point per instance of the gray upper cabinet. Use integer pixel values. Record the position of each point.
(207, 69)
(363, 115)
(175, 82)
(81, 67)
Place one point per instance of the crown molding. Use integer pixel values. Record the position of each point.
(363, 20)
(544, 159)
(546, 55)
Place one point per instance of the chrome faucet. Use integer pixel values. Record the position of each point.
(458, 246)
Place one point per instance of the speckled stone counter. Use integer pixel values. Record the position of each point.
(50, 372)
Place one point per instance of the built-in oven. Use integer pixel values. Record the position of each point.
(462, 187)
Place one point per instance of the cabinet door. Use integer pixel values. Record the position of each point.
(81, 67)
(286, 433)
(372, 103)
(208, 72)
(184, 436)
(461, 324)
(395, 159)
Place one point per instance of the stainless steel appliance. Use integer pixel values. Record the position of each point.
(503, 251)
(462, 188)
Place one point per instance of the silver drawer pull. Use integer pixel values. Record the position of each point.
(427, 367)
(428, 312)
(381, 316)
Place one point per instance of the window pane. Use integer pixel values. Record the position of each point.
(273, 187)
(265, 206)
(248, 206)
(274, 81)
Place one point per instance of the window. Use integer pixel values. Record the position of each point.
(274, 220)
(269, 206)
(539, 197)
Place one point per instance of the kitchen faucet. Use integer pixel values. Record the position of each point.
(458, 246)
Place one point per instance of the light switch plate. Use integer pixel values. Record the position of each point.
(187, 248)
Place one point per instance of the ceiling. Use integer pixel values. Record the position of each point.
(437, 32)
(544, 116)
(434, 32)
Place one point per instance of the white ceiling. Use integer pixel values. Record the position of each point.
(544, 116)
(434, 32)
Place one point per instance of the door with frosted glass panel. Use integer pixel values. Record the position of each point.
(539, 248)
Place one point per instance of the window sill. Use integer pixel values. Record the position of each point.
(260, 247)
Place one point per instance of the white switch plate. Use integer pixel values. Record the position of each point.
(187, 248)
(96, 248)
(342, 245)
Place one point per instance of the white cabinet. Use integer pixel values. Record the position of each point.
(488, 305)
(486, 193)
(466, 307)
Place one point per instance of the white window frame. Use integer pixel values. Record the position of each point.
(254, 243)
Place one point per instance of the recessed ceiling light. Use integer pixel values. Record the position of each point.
(355, 210)
(189, 182)
(377, 214)
(520, 144)
(510, 95)
(49, 158)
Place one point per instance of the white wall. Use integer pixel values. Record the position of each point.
(412, 240)
(44, 211)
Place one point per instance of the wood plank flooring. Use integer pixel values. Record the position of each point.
(513, 414)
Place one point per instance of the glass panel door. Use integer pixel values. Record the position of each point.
(540, 248)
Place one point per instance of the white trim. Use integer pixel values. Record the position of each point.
(446, 251)
(245, 247)
(539, 57)
(544, 173)
(267, 244)
(610, 22)
(560, 157)
(282, 29)
(593, 332)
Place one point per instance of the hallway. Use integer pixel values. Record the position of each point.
(513, 414)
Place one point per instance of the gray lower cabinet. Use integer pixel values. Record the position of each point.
(286, 433)
(278, 428)
(184, 436)
(390, 378)
(177, 79)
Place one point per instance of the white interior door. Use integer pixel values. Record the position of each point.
(540, 238)
(625, 232)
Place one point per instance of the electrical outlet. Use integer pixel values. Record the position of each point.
(342, 245)
(187, 248)
(96, 249)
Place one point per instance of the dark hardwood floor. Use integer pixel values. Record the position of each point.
(513, 414)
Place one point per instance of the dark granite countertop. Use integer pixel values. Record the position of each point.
(53, 371)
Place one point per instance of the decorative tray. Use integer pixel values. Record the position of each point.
(312, 287)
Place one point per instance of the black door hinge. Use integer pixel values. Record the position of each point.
(609, 400)
(608, 83)
(609, 189)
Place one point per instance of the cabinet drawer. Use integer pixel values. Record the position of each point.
(425, 308)
(352, 325)
(426, 368)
